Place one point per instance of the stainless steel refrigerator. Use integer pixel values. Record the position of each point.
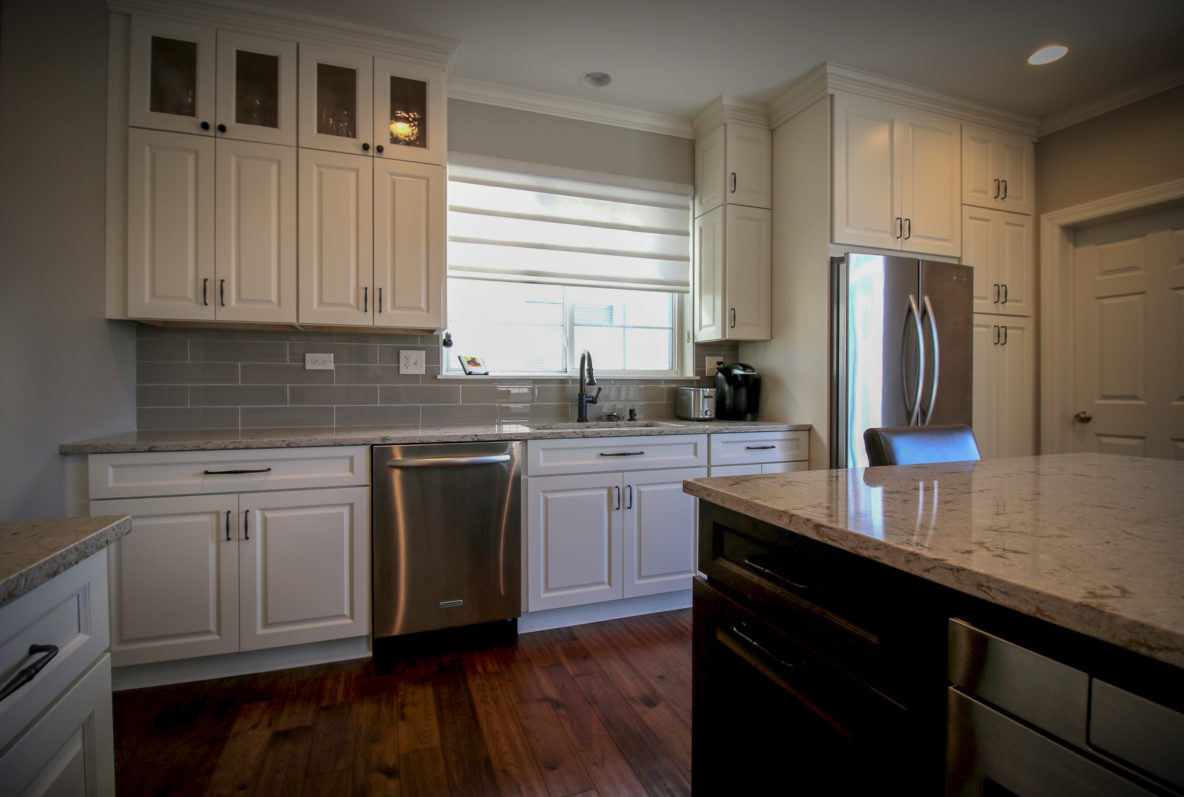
(901, 347)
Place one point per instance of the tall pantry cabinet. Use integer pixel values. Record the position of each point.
(278, 171)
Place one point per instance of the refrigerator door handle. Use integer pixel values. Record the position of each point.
(913, 407)
(928, 313)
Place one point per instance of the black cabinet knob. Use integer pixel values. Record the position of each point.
(365, 147)
(205, 125)
(378, 149)
(221, 128)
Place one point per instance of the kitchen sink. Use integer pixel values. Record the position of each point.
(598, 425)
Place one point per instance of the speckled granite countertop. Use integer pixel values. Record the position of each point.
(34, 551)
(205, 440)
(1090, 542)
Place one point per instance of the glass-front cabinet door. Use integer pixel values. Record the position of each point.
(408, 112)
(335, 100)
(171, 76)
(256, 89)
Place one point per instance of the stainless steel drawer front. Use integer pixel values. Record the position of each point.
(1137, 731)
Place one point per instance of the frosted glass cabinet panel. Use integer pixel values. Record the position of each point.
(336, 111)
(172, 76)
(408, 112)
(256, 89)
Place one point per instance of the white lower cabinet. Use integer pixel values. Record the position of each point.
(599, 536)
(754, 453)
(1004, 386)
(202, 575)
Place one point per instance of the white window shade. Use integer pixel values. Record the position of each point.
(509, 222)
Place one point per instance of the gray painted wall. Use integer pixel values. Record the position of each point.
(68, 373)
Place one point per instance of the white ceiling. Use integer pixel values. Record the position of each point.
(675, 56)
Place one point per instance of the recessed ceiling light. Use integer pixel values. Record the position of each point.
(596, 79)
(1046, 55)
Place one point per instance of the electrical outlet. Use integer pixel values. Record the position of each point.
(318, 362)
(411, 361)
(712, 364)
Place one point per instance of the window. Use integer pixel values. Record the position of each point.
(544, 265)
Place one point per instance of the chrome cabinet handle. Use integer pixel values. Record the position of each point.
(228, 525)
(733, 325)
(908, 229)
(996, 188)
(222, 292)
(27, 674)
(247, 526)
(1004, 189)
(205, 284)
(380, 300)
(928, 313)
(996, 299)
(733, 182)
(236, 472)
(1004, 294)
(899, 227)
(366, 299)
(758, 448)
(629, 496)
(764, 571)
(618, 504)
(622, 454)
(758, 646)
(996, 334)
(1004, 328)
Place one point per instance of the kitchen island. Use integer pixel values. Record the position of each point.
(841, 589)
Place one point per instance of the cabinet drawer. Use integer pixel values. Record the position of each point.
(606, 454)
(69, 611)
(744, 448)
(249, 470)
(757, 468)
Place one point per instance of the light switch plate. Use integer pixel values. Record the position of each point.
(711, 364)
(318, 362)
(411, 361)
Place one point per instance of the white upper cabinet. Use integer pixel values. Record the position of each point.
(734, 165)
(897, 178)
(731, 279)
(336, 100)
(256, 89)
(409, 118)
(998, 170)
(1000, 248)
(409, 210)
(171, 74)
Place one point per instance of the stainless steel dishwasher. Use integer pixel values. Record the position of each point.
(446, 533)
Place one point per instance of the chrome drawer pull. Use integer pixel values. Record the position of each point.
(758, 646)
(29, 673)
(623, 454)
(764, 571)
(236, 472)
(758, 448)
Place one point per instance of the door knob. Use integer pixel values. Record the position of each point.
(1083, 417)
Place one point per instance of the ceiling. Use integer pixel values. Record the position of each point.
(675, 56)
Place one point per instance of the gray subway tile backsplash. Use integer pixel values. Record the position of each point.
(254, 379)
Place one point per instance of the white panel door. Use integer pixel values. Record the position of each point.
(865, 192)
(573, 539)
(409, 112)
(304, 566)
(336, 244)
(1129, 336)
(170, 226)
(256, 89)
(658, 545)
(171, 76)
(256, 232)
(709, 275)
(1016, 436)
(409, 245)
(747, 281)
(929, 169)
(985, 335)
(174, 579)
(709, 171)
(336, 100)
(748, 179)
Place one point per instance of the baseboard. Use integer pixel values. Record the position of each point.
(609, 610)
(232, 664)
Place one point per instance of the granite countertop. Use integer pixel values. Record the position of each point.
(204, 440)
(34, 551)
(1091, 542)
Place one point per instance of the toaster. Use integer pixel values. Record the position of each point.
(694, 403)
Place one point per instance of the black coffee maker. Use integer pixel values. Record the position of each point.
(737, 392)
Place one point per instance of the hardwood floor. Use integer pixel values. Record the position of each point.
(600, 709)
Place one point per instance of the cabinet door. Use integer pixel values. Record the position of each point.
(709, 171)
(573, 528)
(865, 193)
(171, 76)
(304, 566)
(70, 749)
(709, 276)
(336, 245)
(997, 170)
(170, 221)
(409, 112)
(748, 179)
(1016, 159)
(255, 231)
(256, 89)
(658, 545)
(980, 243)
(409, 245)
(174, 579)
(336, 100)
(748, 248)
(1015, 254)
(985, 384)
(929, 168)
(1017, 388)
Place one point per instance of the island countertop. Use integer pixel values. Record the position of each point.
(34, 551)
(1090, 542)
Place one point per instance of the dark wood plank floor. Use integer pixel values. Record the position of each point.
(601, 709)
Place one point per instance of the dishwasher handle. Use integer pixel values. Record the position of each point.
(447, 462)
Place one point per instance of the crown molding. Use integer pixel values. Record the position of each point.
(434, 51)
(1112, 101)
(730, 109)
(567, 107)
(830, 78)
